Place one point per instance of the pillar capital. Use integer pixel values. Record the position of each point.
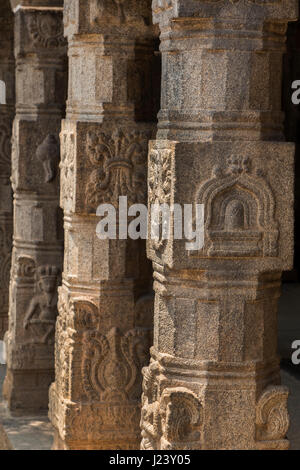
(108, 17)
(173, 11)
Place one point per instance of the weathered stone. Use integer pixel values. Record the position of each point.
(104, 326)
(40, 52)
(7, 102)
(214, 380)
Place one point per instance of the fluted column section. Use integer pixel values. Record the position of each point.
(214, 380)
(40, 53)
(105, 304)
(7, 107)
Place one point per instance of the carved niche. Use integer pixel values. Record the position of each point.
(119, 161)
(239, 212)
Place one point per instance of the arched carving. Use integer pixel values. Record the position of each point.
(182, 417)
(239, 212)
(272, 419)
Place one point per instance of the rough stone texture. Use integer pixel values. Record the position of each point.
(40, 52)
(7, 102)
(105, 303)
(213, 381)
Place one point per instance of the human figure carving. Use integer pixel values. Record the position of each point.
(48, 153)
(42, 310)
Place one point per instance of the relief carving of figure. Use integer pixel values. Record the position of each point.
(48, 153)
(42, 311)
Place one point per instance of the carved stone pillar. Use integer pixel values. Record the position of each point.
(7, 104)
(104, 327)
(40, 53)
(214, 380)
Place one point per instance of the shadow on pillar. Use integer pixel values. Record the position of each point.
(7, 106)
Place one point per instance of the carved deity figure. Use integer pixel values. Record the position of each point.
(48, 153)
(42, 311)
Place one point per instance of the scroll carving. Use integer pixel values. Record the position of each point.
(272, 419)
(171, 421)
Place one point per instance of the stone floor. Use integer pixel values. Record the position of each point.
(30, 433)
(36, 433)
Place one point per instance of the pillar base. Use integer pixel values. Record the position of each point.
(88, 426)
(198, 405)
(26, 391)
(60, 444)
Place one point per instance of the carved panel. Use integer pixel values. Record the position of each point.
(44, 29)
(41, 313)
(111, 364)
(118, 159)
(239, 212)
(159, 189)
(48, 154)
(67, 170)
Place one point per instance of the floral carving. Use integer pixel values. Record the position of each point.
(160, 176)
(159, 189)
(25, 269)
(67, 169)
(45, 30)
(64, 344)
(112, 362)
(119, 159)
(150, 415)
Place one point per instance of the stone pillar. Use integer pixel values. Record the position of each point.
(40, 53)
(105, 318)
(7, 104)
(214, 379)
